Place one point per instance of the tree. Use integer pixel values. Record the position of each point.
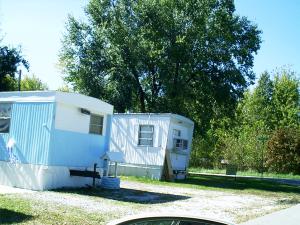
(240, 138)
(257, 108)
(266, 122)
(189, 57)
(284, 151)
(32, 83)
(286, 99)
(10, 60)
(65, 88)
(262, 107)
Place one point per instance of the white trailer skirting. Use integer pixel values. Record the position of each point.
(39, 177)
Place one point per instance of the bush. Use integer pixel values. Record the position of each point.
(243, 147)
(283, 151)
(204, 154)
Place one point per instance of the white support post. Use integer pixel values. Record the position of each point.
(107, 171)
(116, 166)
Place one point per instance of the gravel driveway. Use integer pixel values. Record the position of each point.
(139, 198)
(212, 204)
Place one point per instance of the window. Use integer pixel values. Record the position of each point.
(146, 135)
(5, 111)
(96, 124)
(184, 144)
(180, 144)
(176, 133)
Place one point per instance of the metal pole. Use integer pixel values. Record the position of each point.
(19, 81)
(94, 179)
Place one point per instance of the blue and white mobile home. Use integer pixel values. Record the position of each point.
(45, 134)
(154, 145)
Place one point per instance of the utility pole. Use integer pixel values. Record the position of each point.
(19, 81)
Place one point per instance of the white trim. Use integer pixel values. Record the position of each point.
(179, 118)
(81, 101)
(27, 96)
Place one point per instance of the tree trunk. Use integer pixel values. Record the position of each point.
(175, 81)
(142, 99)
(131, 65)
(141, 92)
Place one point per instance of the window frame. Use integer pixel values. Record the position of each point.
(6, 117)
(145, 132)
(182, 143)
(176, 133)
(91, 131)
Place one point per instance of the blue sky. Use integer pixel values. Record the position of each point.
(38, 25)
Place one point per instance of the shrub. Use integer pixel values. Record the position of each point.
(283, 151)
(201, 153)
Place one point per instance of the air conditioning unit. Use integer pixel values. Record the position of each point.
(85, 111)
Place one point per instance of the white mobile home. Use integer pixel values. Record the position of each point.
(154, 145)
(45, 135)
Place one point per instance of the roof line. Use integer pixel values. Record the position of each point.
(177, 116)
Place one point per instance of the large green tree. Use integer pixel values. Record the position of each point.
(32, 83)
(286, 99)
(267, 116)
(10, 60)
(188, 57)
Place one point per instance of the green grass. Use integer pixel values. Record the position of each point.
(244, 173)
(15, 210)
(238, 186)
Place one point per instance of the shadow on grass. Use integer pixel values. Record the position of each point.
(125, 195)
(292, 201)
(240, 184)
(12, 217)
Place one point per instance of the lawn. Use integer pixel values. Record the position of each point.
(219, 197)
(230, 184)
(245, 173)
(18, 210)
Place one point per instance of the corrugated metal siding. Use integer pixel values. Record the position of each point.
(31, 124)
(4, 155)
(124, 137)
(38, 142)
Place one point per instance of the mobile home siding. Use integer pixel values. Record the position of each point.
(180, 159)
(71, 143)
(74, 149)
(149, 160)
(51, 135)
(124, 137)
(69, 118)
(34, 120)
(108, 122)
(4, 156)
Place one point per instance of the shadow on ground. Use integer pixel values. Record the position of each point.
(240, 184)
(12, 217)
(126, 195)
